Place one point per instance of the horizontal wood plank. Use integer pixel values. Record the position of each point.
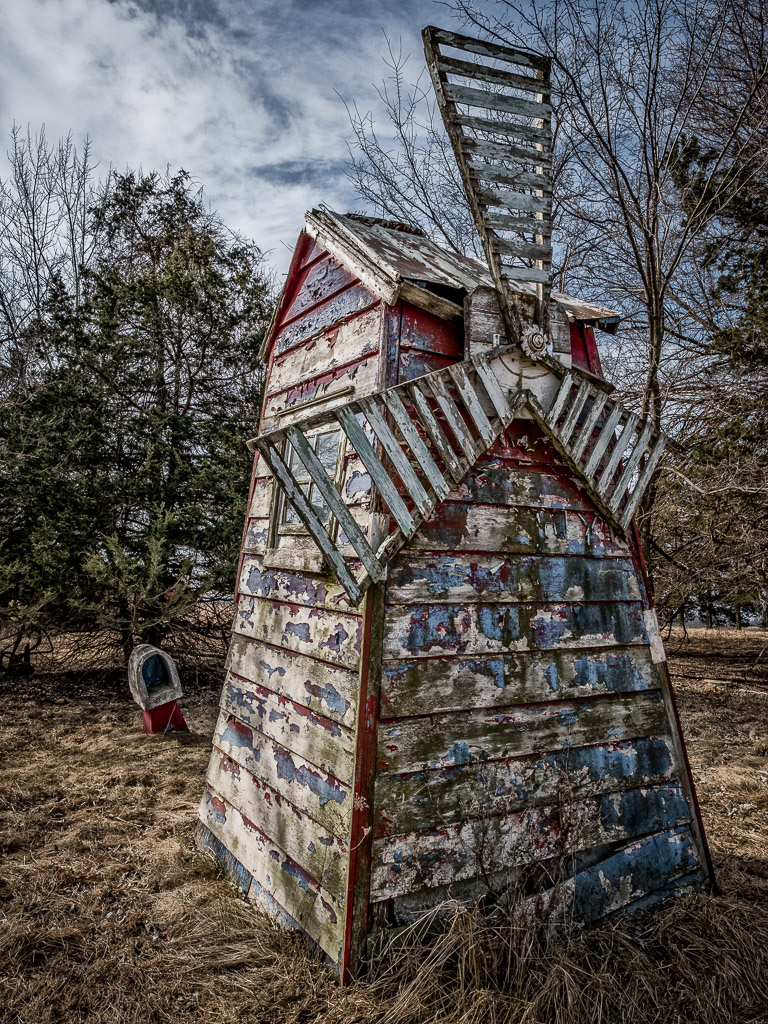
(463, 577)
(442, 741)
(642, 868)
(419, 631)
(505, 102)
(429, 686)
(332, 635)
(328, 690)
(429, 799)
(402, 864)
(460, 527)
(318, 794)
(276, 876)
(276, 584)
(320, 741)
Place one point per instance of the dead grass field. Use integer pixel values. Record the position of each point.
(108, 913)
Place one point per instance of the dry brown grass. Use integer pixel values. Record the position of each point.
(109, 914)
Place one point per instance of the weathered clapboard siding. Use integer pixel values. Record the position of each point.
(321, 282)
(320, 741)
(495, 481)
(330, 635)
(426, 332)
(439, 741)
(458, 526)
(422, 687)
(313, 791)
(360, 377)
(256, 536)
(451, 853)
(349, 343)
(346, 303)
(320, 852)
(480, 577)
(290, 587)
(428, 799)
(641, 868)
(434, 629)
(329, 690)
(317, 911)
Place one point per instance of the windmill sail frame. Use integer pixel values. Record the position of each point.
(504, 154)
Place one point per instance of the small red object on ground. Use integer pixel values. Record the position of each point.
(165, 718)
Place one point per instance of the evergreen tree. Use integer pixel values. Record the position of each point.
(126, 472)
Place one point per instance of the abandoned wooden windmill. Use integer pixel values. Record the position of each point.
(445, 666)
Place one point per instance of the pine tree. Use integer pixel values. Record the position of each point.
(126, 472)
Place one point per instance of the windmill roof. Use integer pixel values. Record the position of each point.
(388, 253)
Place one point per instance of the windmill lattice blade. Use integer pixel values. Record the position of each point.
(499, 123)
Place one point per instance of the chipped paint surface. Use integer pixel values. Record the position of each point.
(321, 741)
(415, 687)
(316, 793)
(415, 801)
(520, 712)
(455, 852)
(440, 741)
(490, 628)
(275, 874)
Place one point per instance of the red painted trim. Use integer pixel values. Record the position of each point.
(361, 831)
(638, 549)
(593, 353)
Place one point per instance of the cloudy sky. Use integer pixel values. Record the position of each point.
(241, 93)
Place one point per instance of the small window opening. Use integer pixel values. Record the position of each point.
(329, 449)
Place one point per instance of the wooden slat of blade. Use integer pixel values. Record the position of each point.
(305, 512)
(574, 412)
(495, 76)
(605, 482)
(378, 473)
(455, 420)
(494, 391)
(483, 171)
(643, 481)
(486, 49)
(510, 312)
(538, 136)
(589, 425)
(455, 465)
(335, 502)
(392, 447)
(525, 274)
(514, 201)
(521, 225)
(420, 451)
(559, 401)
(632, 463)
(484, 150)
(472, 402)
(603, 440)
(523, 249)
(497, 101)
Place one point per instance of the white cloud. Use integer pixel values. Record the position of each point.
(226, 92)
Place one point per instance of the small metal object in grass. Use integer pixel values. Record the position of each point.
(155, 686)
